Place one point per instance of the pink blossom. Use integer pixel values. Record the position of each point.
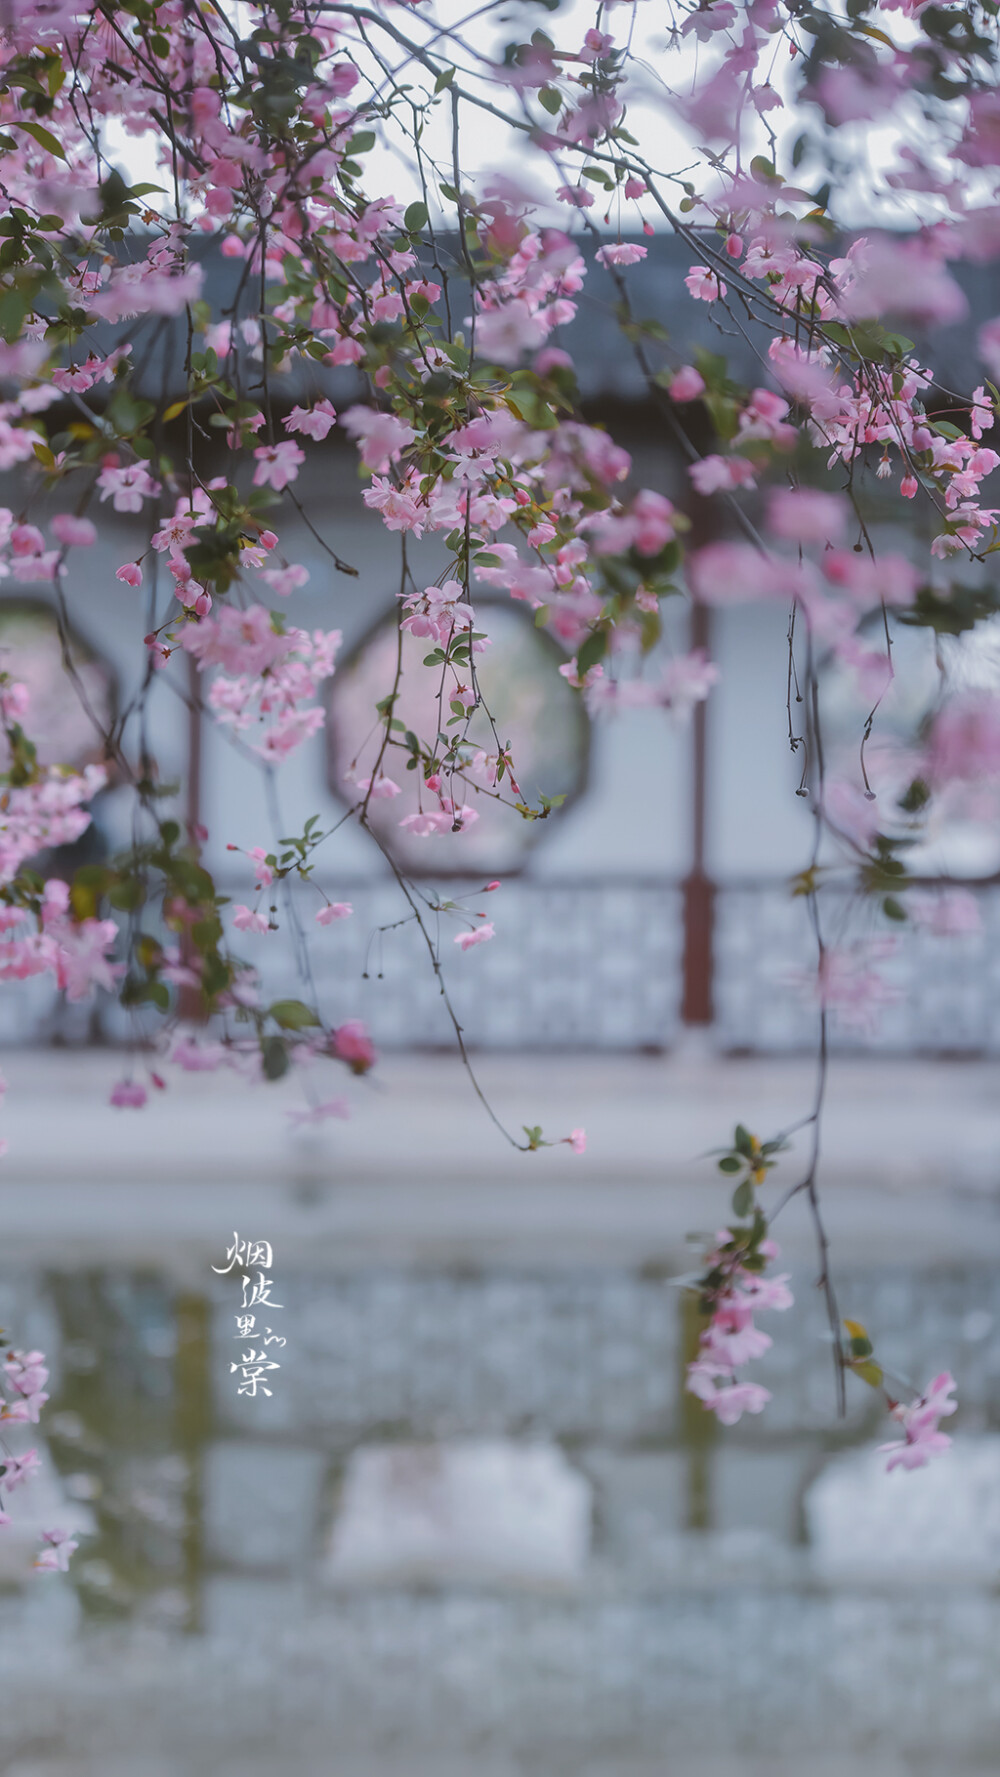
(715, 474)
(965, 740)
(312, 422)
(577, 195)
(920, 1420)
(705, 285)
(576, 1141)
(652, 517)
(263, 873)
(687, 680)
(733, 573)
(72, 532)
(951, 913)
(277, 464)
(686, 384)
(130, 572)
(905, 278)
(400, 507)
(59, 1545)
(285, 581)
(245, 920)
(14, 704)
(479, 935)
(351, 1043)
(16, 1470)
(128, 1093)
(320, 1113)
(849, 985)
(128, 487)
(334, 910)
(427, 822)
(505, 334)
(729, 1401)
(438, 612)
(381, 436)
(380, 789)
(806, 515)
(623, 253)
(81, 961)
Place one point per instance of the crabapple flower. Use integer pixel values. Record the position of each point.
(245, 920)
(479, 935)
(954, 913)
(128, 487)
(81, 959)
(687, 384)
(128, 1093)
(727, 1400)
(277, 464)
(381, 436)
(16, 1470)
(130, 573)
(715, 474)
(320, 1113)
(705, 285)
(622, 253)
(26, 1374)
(733, 1291)
(576, 1140)
(58, 1546)
(333, 911)
(505, 334)
(73, 532)
(806, 515)
(380, 789)
(848, 984)
(920, 1421)
(312, 422)
(351, 1043)
(263, 874)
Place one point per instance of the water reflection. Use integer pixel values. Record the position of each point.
(369, 1536)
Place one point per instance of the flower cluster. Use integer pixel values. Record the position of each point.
(23, 1376)
(733, 1287)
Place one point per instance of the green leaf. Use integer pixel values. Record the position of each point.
(293, 1015)
(274, 1056)
(730, 1163)
(444, 79)
(127, 896)
(43, 137)
(591, 651)
(743, 1198)
(870, 1373)
(742, 1142)
(415, 217)
(551, 98)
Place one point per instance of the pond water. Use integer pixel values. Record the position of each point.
(478, 1519)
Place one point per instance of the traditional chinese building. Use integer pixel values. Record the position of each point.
(656, 898)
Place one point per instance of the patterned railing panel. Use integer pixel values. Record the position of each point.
(593, 965)
(947, 989)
